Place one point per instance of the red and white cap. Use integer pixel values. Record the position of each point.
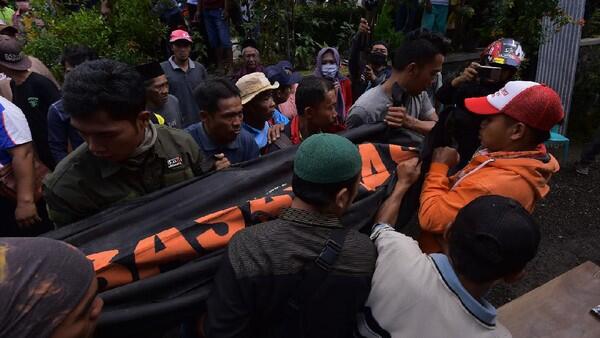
(180, 34)
(534, 104)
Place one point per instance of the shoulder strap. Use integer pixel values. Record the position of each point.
(314, 277)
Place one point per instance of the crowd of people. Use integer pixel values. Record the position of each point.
(113, 132)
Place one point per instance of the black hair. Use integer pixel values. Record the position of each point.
(420, 47)
(486, 257)
(104, 85)
(319, 194)
(311, 91)
(440, 42)
(249, 43)
(77, 54)
(379, 42)
(209, 93)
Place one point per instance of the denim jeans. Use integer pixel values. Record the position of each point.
(217, 28)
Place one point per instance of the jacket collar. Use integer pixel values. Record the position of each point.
(482, 310)
(310, 218)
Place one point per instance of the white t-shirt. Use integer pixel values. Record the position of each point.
(14, 129)
(419, 295)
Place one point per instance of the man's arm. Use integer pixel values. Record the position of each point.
(440, 202)
(421, 127)
(355, 48)
(355, 117)
(447, 93)
(22, 163)
(408, 172)
(58, 134)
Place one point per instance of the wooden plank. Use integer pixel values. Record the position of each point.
(461, 57)
(559, 308)
(589, 42)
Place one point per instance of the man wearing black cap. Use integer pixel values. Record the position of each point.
(442, 295)
(32, 92)
(158, 99)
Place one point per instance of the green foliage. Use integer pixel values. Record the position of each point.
(592, 26)
(385, 30)
(585, 109)
(518, 19)
(131, 34)
(291, 31)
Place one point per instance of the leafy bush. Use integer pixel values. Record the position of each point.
(291, 31)
(592, 26)
(518, 19)
(585, 109)
(131, 34)
(385, 30)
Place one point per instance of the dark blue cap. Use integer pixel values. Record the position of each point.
(283, 72)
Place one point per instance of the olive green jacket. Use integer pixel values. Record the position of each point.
(83, 185)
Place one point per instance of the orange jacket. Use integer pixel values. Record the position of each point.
(522, 176)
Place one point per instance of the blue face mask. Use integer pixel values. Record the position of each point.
(329, 70)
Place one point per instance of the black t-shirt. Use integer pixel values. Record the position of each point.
(34, 97)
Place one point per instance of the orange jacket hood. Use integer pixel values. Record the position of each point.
(536, 167)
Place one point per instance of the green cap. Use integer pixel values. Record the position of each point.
(327, 158)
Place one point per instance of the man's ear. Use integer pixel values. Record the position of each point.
(514, 277)
(412, 68)
(143, 120)
(309, 112)
(203, 115)
(518, 131)
(343, 198)
(144, 116)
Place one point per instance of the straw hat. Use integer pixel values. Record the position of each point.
(253, 84)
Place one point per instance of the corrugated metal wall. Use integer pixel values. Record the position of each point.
(558, 56)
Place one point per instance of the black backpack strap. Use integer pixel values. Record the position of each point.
(314, 277)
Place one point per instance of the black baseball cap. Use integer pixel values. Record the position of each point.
(283, 72)
(493, 236)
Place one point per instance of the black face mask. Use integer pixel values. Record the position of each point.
(377, 59)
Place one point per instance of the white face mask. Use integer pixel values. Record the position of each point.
(329, 70)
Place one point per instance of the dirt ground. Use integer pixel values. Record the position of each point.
(570, 221)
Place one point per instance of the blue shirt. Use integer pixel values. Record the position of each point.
(261, 136)
(60, 131)
(243, 148)
(279, 118)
